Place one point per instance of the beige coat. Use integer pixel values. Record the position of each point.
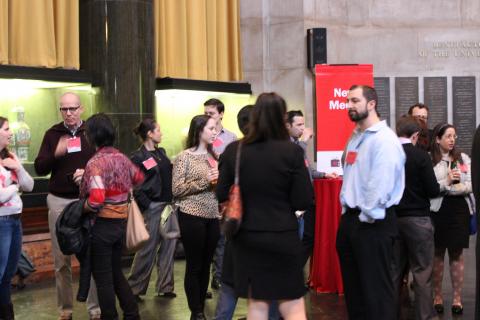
(462, 188)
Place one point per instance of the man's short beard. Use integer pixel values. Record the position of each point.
(357, 116)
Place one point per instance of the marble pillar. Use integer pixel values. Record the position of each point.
(117, 49)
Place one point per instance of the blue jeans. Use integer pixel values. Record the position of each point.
(301, 227)
(10, 250)
(274, 311)
(227, 301)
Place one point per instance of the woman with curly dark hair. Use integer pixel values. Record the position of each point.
(450, 212)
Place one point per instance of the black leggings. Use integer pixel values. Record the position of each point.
(108, 238)
(199, 238)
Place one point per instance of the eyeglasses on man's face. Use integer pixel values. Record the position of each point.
(67, 109)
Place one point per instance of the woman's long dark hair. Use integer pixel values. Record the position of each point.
(4, 153)
(268, 119)
(435, 151)
(197, 125)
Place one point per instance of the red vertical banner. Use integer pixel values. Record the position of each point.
(333, 125)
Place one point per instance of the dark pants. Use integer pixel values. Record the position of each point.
(366, 258)
(199, 238)
(415, 246)
(477, 285)
(108, 238)
(308, 235)
(218, 259)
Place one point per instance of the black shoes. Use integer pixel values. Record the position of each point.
(457, 309)
(215, 284)
(168, 295)
(6, 312)
(197, 316)
(439, 308)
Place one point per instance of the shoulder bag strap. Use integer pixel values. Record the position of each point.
(237, 163)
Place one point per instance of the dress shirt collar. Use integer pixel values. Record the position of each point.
(374, 128)
(404, 140)
(377, 126)
(75, 129)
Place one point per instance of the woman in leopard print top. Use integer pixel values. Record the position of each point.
(195, 174)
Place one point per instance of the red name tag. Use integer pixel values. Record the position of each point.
(74, 145)
(306, 163)
(351, 157)
(217, 143)
(149, 163)
(212, 162)
(463, 168)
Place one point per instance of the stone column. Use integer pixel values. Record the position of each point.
(117, 49)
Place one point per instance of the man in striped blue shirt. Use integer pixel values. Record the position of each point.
(373, 182)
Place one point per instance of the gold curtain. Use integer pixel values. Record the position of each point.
(41, 33)
(198, 39)
(3, 31)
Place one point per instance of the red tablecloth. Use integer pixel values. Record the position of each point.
(325, 275)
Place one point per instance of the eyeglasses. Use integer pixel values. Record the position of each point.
(455, 137)
(71, 109)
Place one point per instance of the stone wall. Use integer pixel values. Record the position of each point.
(400, 38)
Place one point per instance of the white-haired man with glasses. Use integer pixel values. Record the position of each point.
(63, 154)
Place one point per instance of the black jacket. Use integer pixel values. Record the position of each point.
(157, 185)
(420, 183)
(476, 193)
(73, 235)
(274, 183)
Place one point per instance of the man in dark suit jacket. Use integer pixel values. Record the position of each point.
(415, 244)
(476, 192)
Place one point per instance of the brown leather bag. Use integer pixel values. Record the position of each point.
(137, 234)
(233, 208)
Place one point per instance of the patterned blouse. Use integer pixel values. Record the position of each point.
(109, 176)
(190, 187)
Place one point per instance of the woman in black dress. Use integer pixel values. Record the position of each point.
(450, 213)
(274, 182)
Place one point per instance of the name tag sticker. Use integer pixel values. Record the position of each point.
(149, 163)
(212, 162)
(351, 157)
(217, 143)
(463, 168)
(306, 163)
(74, 145)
